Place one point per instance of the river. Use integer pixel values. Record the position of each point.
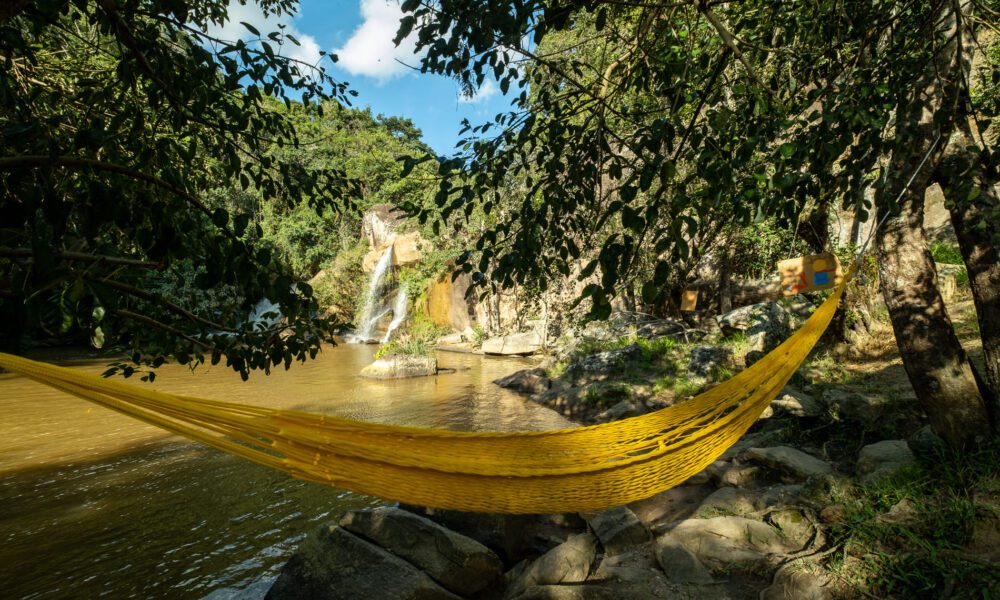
(95, 504)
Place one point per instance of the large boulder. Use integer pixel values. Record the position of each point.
(408, 249)
(618, 529)
(518, 344)
(568, 562)
(400, 367)
(882, 459)
(853, 406)
(722, 542)
(334, 564)
(512, 537)
(795, 403)
(607, 361)
(705, 360)
(380, 223)
(526, 381)
(794, 464)
(455, 561)
(446, 303)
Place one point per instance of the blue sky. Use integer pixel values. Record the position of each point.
(360, 32)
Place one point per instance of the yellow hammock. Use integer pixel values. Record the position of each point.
(567, 470)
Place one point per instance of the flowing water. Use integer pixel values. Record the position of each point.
(95, 504)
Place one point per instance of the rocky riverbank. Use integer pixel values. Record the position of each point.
(822, 499)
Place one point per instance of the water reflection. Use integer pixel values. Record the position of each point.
(94, 504)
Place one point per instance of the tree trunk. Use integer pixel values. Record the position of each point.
(971, 198)
(725, 277)
(934, 359)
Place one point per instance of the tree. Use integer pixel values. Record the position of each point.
(662, 112)
(117, 120)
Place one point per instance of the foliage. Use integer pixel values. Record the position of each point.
(925, 555)
(638, 128)
(118, 120)
(343, 283)
(405, 347)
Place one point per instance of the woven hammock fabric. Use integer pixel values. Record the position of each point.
(566, 470)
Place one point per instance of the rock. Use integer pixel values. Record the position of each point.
(380, 223)
(569, 592)
(744, 502)
(902, 513)
(624, 409)
(705, 360)
(766, 325)
(512, 537)
(796, 403)
(882, 459)
(725, 473)
(720, 542)
(618, 529)
(400, 366)
(336, 565)
(853, 406)
(680, 564)
(515, 344)
(794, 463)
(925, 443)
(834, 513)
(568, 562)
(770, 325)
(526, 381)
(793, 525)
(736, 320)
(458, 563)
(408, 249)
(446, 303)
(605, 362)
(796, 583)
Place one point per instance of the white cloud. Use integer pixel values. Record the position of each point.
(233, 29)
(370, 50)
(485, 92)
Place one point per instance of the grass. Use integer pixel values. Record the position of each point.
(926, 555)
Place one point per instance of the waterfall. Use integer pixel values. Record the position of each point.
(370, 314)
(398, 314)
(374, 309)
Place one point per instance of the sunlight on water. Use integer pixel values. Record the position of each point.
(94, 504)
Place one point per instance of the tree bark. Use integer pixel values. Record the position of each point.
(935, 362)
(972, 199)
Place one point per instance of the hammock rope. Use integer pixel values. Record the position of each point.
(565, 470)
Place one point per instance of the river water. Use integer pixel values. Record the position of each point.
(95, 504)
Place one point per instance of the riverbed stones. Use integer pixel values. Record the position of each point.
(400, 367)
(569, 562)
(460, 564)
(794, 464)
(517, 344)
(334, 564)
(882, 459)
(526, 381)
(618, 529)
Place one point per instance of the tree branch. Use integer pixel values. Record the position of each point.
(82, 256)
(30, 161)
(139, 293)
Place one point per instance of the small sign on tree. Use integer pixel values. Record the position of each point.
(809, 273)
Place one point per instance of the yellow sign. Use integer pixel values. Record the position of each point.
(809, 273)
(689, 300)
